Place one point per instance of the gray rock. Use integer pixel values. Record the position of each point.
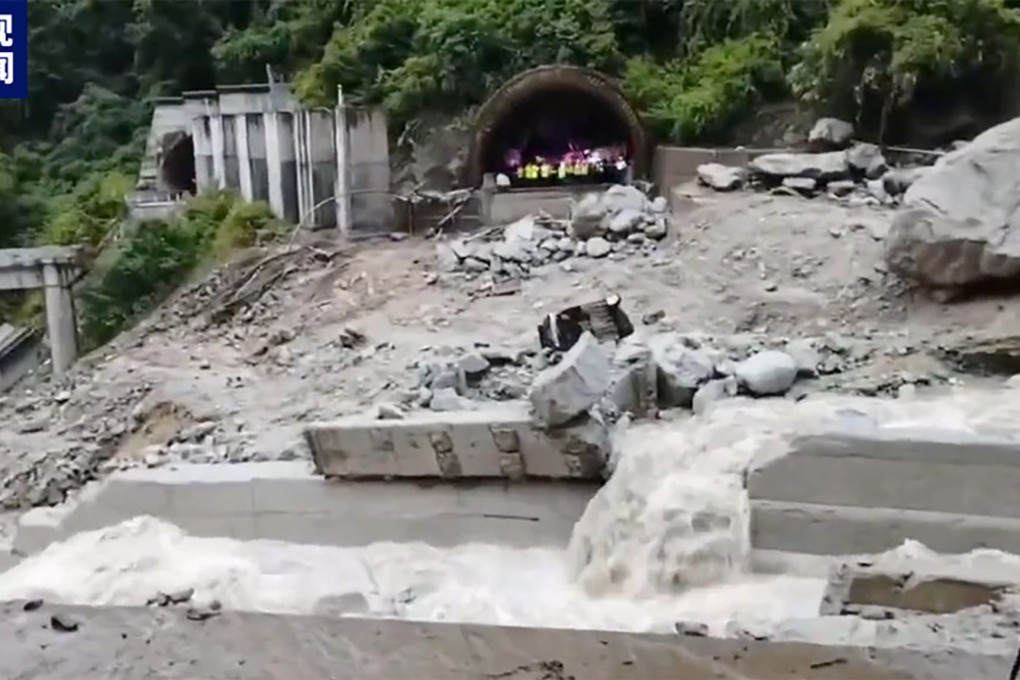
(586, 217)
(823, 167)
(898, 180)
(515, 250)
(721, 177)
(447, 399)
(597, 247)
(620, 197)
(805, 356)
(681, 369)
(659, 204)
(713, 391)
(831, 133)
(867, 159)
(802, 185)
(841, 187)
(657, 230)
(767, 373)
(626, 221)
(474, 365)
(960, 222)
(562, 392)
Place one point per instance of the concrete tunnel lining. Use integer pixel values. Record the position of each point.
(554, 84)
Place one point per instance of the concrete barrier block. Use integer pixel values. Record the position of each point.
(838, 530)
(498, 443)
(912, 586)
(968, 489)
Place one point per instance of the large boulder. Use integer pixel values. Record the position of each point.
(823, 167)
(959, 224)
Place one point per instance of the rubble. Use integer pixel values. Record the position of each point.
(855, 172)
(622, 221)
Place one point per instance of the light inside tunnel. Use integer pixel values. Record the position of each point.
(558, 135)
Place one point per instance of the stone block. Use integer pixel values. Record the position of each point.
(562, 392)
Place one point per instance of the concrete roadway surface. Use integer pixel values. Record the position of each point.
(121, 643)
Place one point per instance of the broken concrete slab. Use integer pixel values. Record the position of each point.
(909, 586)
(562, 392)
(495, 443)
(288, 502)
(308, 647)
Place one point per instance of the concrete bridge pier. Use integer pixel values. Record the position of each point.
(54, 269)
(61, 326)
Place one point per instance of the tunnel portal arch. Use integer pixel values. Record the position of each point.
(589, 98)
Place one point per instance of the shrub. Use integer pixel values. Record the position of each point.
(702, 99)
(160, 255)
(889, 51)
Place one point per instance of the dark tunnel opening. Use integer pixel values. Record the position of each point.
(558, 135)
(178, 167)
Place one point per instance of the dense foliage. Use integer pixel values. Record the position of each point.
(695, 68)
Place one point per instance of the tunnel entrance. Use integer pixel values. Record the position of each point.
(557, 125)
(177, 167)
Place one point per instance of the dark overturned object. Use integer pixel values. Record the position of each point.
(604, 319)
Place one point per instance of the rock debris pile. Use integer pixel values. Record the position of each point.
(620, 222)
(643, 373)
(858, 173)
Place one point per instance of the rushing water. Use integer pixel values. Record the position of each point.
(664, 540)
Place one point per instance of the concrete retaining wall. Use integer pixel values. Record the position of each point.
(288, 502)
(244, 646)
(866, 492)
(675, 165)
(499, 443)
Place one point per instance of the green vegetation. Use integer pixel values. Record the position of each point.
(696, 68)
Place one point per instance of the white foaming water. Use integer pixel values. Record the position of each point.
(664, 540)
(128, 563)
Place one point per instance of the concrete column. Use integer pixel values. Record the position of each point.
(218, 150)
(204, 177)
(322, 166)
(274, 163)
(257, 156)
(288, 166)
(243, 157)
(342, 187)
(302, 156)
(60, 320)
